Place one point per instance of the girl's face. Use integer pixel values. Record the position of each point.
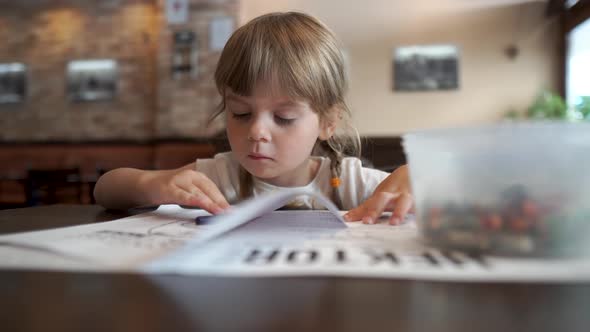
(272, 136)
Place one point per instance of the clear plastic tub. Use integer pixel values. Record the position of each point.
(510, 188)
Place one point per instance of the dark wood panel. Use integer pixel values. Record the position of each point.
(173, 155)
(385, 153)
(94, 157)
(576, 15)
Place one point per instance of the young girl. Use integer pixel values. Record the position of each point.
(282, 82)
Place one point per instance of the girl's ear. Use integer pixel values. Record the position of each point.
(329, 123)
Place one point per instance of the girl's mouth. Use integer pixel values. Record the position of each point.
(257, 156)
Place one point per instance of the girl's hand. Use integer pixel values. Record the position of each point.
(393, 194)
(185, 187)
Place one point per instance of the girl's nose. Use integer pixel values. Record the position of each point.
(259, 132)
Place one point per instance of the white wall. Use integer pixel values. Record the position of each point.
(490, 82)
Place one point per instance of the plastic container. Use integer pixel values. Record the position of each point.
(511, 188)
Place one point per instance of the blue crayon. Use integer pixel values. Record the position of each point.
(204, 220)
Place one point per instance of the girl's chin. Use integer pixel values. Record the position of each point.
(259, 171)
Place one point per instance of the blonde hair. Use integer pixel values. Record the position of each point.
(300, 55)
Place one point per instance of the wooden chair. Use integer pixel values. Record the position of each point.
(53, 186)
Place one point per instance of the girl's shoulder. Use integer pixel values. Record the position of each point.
(223, 170)
(357, 182)
(222, 157)
(222, 162)
(353, 167)
(227, 157)
(348, 164)
(352, 164)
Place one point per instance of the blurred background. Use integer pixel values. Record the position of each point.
(87, 86)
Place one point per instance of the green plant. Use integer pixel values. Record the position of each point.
(551, 106)
(512, 114)
(548, 105)
(583, 107)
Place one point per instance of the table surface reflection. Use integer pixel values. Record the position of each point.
(67, 301)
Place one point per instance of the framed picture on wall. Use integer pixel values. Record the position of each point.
(91, 80)
(13, 82)
(426, 68)
(220, 29)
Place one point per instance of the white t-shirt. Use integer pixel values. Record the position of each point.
(357, 183)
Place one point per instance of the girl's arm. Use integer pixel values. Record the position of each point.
(392, 194)
(125, 188)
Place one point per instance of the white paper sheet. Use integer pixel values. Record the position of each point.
(283, 243)
(124, 243)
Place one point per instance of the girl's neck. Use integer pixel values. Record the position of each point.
(299, 177)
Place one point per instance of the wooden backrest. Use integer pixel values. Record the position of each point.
(53, 186)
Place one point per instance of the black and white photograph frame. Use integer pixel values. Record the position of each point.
(92, 79)
(185, 55)
(13, 82)
(426, 68)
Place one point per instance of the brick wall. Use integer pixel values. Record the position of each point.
(186, 103)
(45, 35)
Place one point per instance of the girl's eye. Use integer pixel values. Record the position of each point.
(241, 116)
(283, 121)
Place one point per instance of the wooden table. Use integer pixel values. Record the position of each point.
(65, 301)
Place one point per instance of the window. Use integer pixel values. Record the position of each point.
(578, 64)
